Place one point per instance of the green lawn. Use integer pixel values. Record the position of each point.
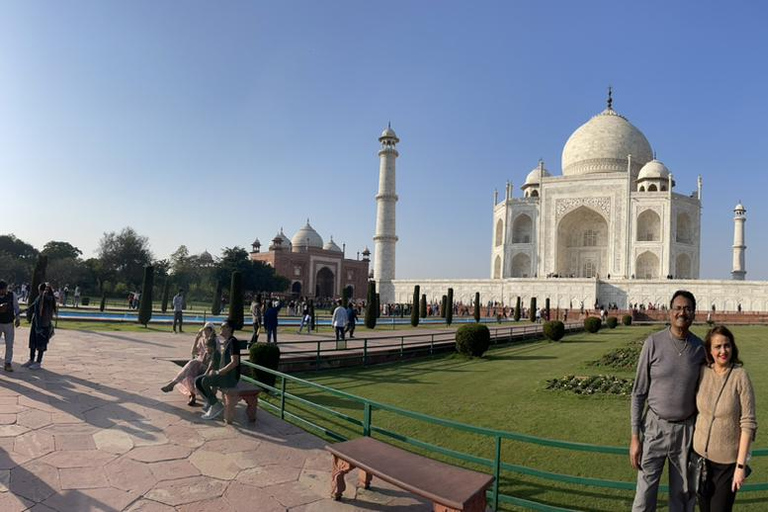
(506, 390)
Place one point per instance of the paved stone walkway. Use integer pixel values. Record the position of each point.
(92, 431)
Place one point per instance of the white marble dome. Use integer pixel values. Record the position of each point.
(534, 177)
(653, 170)
(307, 237)
(389, 133)
(602, 144)
(330, 245)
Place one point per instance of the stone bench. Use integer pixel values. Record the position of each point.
(449, 488)
(245, 391)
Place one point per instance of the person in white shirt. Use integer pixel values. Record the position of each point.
(339, 321)
(178, 307)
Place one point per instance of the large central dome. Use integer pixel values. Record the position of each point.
(602, 145)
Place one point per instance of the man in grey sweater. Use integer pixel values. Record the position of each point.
(667, 374)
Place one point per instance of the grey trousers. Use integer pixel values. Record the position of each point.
(664, 441)
(7, 331)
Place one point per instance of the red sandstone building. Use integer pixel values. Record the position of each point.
(315, 269)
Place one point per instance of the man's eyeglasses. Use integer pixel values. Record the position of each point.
(686, 309)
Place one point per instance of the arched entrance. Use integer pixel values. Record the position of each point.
(647, 266)
(582, 244)
(324, 280)
(296, 288)
(521, 265)
(350, 291)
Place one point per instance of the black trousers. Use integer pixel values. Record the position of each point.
(717, 495)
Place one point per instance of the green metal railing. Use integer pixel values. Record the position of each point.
(494, 465)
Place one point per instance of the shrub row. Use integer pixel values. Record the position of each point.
(592, 385)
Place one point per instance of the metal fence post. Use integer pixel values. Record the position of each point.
(496, 474)
(365, 351)
(367, 419)
(282, 398)
(317, 358)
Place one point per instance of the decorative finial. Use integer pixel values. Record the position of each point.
(654, 154)
(389, 125)
(610, 98)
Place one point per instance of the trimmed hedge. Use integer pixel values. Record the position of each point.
(267, 355)
(554, 330)
(611, 322)
(626, 319)
(473, 339)
(145, 302)
(592, 324)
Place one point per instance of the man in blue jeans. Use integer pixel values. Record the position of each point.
(270, 321)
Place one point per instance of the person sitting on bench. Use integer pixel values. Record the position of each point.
(226, 376)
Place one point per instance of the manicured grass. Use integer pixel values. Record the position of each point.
(506, 391)
(112, 326)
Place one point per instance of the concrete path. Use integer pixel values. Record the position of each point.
(92, 431)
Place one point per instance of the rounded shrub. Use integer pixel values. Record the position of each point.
(626, 319)
(592, 324)
(554, 330)
(473, 339)
(611, 322)
(268, 356)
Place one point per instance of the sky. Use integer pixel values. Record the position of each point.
(211, 124)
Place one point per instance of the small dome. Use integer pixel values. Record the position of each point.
(389, 133)
(206, 257)
(330, 245)
(307, 237)
(602, 145)
(739, 208)
(534, 177)
(285, 242)
(653, 170)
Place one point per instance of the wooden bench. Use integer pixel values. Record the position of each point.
(449, 488)
(243, 391)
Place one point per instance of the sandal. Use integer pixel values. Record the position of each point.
(167, 388)
(192, 402)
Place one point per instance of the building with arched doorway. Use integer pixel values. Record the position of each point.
(314, 268)
(613, 211)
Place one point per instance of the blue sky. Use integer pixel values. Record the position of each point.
(212, 123)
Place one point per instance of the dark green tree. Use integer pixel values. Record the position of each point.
(61, 250)
(449, 307)
(378, 305)
(216, 304)
(546, 307)
(123, 257)
(236, 301)
(423, 306)
(345, 297)
(443, 305)
(145, 302)
(477, 307)
(103, 303)
(415, 306)
(164, 298)
(38, 276)
(371, 306)
(312, 322)
(517, 310)
(532, 310)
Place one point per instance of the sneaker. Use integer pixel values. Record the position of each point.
(8, 367)
(27, 364)
(167, 388)
(206, 406)
(214, 412)
(34, 366)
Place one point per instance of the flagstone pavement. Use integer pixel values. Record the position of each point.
(92, 431)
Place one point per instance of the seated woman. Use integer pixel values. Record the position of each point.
(201, 358)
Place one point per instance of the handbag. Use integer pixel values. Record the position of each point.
(697, 464)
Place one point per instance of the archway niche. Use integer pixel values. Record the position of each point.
(522, 229)
(648, 227)
(499, 232)
(683, 266)
(350, 291)
(324, 280)
(582, 244)
(651, 188)
(296, 288)
(684, 229)
(497, 268)
(521, 265)
(647, 266)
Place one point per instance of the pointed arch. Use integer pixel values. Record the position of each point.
(522, 229)
(497, 268)
(684, 228)
(648, 226)
(582, 244)
(499, 239)
(683, 266)
(647, 266)
(521, 265)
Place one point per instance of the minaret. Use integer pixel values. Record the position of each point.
(385, 238)
(739, 249)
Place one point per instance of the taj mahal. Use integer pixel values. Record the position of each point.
(612, 227)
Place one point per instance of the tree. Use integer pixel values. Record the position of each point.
(449, 307)
(517, 310)
(18, 249)
(164, 299)
(257, 275)
(216, 304)
(415, 306)
(546, 307)
(123, 256)
(477, 307)
(60, 250)
(103, 302)
(67, 271)
(13, 269)
(145, 302)
(532, 310)
(344, 297)
(443, 306)
(312, 323)
(371, 306)
(423, 306)
(236, 301)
